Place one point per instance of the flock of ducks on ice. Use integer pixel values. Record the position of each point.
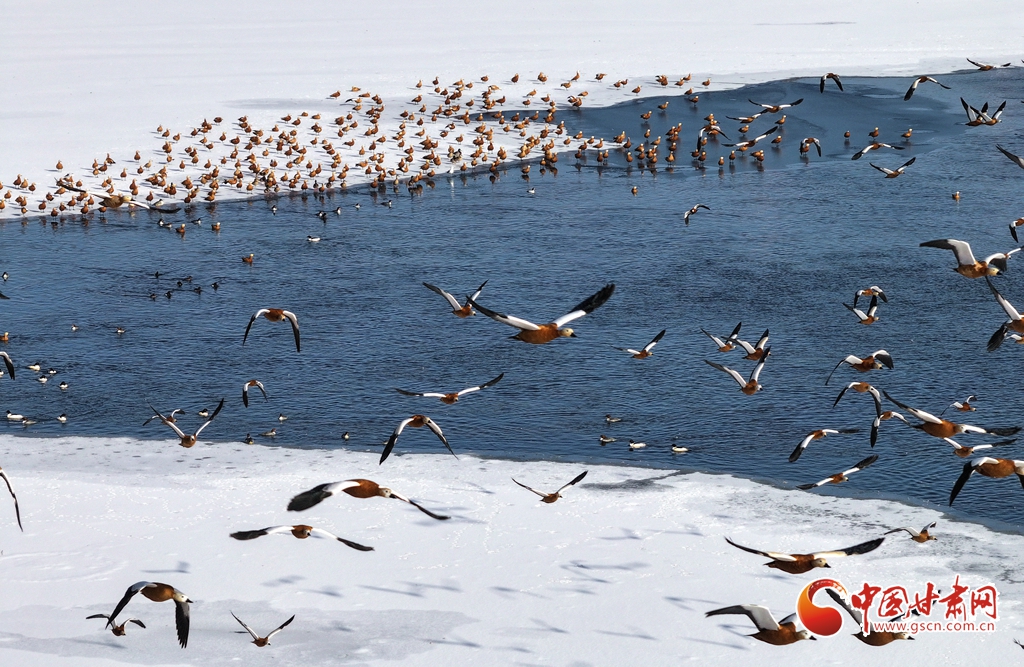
(285, 144)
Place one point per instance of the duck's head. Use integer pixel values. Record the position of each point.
(566, 333)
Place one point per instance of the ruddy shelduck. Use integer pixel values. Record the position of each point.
(750, 386)
(17, 509)
(188, 440)
(539, 334)
(800, 563)
(301, 532)
(459, 310)
(919, 536)
(263, 641)
(727, 345)
(357, 488)
(770, 631)
(158, 592)
(918, 81)
(248, 385)
(988, 467)
(966, 264)
(416, 421)
(874, 361)
(817, 435)
(646, 351)
(552, 497)
(275, 315)
(117, 628)
(453, 397)
(841, 477)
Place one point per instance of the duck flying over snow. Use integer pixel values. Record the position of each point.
(966, 264)
(552, 497)
(770, 631)
(985, 67)
(988, 467)
(459, 310)
(158, 592)
(874, 361)
(646, 352)
(416, 421)
(918, 81)
(893, 173)
(300, 531)
(357, 488)
(17, 509)
(538, 334)
(817, 435)
(263, 641)
(874, 637)
(452, 397)
(275, 315)
(245, 391)
(841, 477)
(800, 563)
(188, 440)
(750, 386)
(115, 627)
(920, 536)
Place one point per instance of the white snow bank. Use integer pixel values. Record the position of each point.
(78, 84)
(624, 566)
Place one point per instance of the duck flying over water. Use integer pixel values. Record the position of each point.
(117, 629)
(966, 264)
(770, 631)
(539, 334)
(893, 173)
(693, 211)
(453, 397)
(841, 477)
(157, 592)
(872, 362)
(8, 363)
(744, 145)
(874, 637)
(830, 75)
(874, 146)
(1017, 160)
(188, 440)
(775, 108)
(1014, 324)
(805, 145)
(945, 429)
(275, 315)
(756, 351)
(872, 291)
(964, 452)
(552, 497)
(962, 406)
(727, 345)
(868, 317)
(458, 310)
(884, 416)
(10, 489)
(357, 488)
(168, 419)
(977, 117)
(750, 386)
(416, 421)
(987, 466)
(862, 388)
(646, 352)
(300, 531)
(918, 81)
(263, 641)
(800, 563)
(919, 536)
(245, 391)
(817, 435)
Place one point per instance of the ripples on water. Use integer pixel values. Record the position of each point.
(782, 248)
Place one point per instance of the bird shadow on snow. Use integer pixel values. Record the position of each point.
(183, 568)
(316, 637)
(646, 484)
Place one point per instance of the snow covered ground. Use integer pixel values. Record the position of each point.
(78, 86)
(623, 566)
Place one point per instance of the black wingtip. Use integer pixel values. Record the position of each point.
(308, 499)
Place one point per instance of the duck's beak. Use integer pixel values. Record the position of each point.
(573, 335)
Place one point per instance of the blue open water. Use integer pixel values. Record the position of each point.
(782, 248)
